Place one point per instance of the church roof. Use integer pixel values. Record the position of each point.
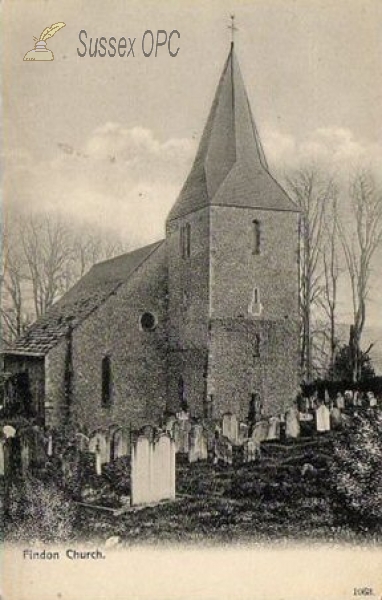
(80, 301)
(230, 168)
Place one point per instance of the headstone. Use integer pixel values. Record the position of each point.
(322, 418)
(198, 444)
(25, 455)
(152, 470)
(372, 400)
(340, 401)
(292, 423)
(243, 432)
(98, 459)
(223, 450)
(82, 442)
(274, 429)
(1, 457)
(184, 435)
(98, 441)
(251, 451)
(119, 444)
(230, 427)
(260, 432)
(335, 418)
(50, 445)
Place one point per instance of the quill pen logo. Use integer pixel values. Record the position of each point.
(40, 51)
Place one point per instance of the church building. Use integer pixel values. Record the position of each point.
(205, 320)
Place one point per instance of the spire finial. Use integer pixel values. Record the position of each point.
(233, 28)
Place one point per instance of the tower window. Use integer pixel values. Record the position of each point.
(107, 382)
(256, 233)
(182, 395)
(256, 345)
(185, 240)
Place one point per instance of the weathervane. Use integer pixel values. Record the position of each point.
(232, 28)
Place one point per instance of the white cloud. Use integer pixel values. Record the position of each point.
(333, 148)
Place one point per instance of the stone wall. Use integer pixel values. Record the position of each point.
(137, 357)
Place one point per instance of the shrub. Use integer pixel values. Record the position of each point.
(356, 474)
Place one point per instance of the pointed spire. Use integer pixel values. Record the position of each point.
(230, 167)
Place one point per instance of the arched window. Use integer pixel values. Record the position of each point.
(256, 345)
(185, 240)
(256, 233)
(107, 382)
(182, 395)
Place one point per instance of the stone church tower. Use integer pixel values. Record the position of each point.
(232, 239)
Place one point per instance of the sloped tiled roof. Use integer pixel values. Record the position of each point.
(80, 301)
(230, 168)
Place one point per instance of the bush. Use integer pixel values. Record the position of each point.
(40, 511)
(356, 474)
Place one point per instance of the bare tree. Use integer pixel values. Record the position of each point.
(47, 249)
(14, 317)
(360, 240)
(331, 265)
(43, 256)
(310, 190)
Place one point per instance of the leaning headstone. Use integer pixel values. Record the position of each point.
(274, 429)
(322, 418)
(292, 423)
(230, 428)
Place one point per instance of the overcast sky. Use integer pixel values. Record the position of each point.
(110, 140)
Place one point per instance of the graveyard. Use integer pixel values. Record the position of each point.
(188, 482)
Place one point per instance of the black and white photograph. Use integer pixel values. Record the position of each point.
(191, 300)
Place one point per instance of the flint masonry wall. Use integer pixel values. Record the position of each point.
(138, 358)
(188, 312)
(234, 371)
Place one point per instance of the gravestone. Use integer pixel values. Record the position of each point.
(322, 418)
(198, 444)
(98, 443)
(119, 445)
(184, 435)
(243, 432)
(274, 428)
(152, 470)
(230, 428)
(25, 455)
(292, 423)
(260, 432)
(335, 418)
(1, 457)
(82, 442)
(251, 451)
(223, 450)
